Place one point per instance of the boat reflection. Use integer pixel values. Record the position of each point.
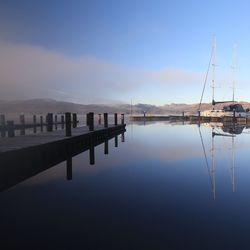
(222, 130)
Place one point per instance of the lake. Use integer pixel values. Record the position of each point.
(166, 186)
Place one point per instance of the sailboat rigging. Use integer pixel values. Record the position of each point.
(231, 110)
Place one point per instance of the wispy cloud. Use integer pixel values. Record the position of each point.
(28, 71)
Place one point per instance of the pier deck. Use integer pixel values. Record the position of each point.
(35, 140)
(22, 157)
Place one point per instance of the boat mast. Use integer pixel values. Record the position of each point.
(205, 82)
(214, 65)
(234, 65)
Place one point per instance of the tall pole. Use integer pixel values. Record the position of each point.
(214, 65)
(234, 65)
(205, 81)
(131, 111)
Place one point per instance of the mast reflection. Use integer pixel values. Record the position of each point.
(221, 130)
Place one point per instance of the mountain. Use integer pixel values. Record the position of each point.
(43, 106)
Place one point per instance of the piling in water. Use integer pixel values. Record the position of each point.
(49, 122)
(91, 121)
(68, 123)
(105, 115)
(10, 129)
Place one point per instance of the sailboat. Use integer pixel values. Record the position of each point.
(231, 110)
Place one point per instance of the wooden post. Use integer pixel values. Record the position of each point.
(105, 120)
(22, 123)
(115, 118)
(50, 122)
(87, 119)
(99, 119)
(62, 121)
(74, 120)
(10, 129)
(34, 123)
(41, 123)
(122, 118)
(69, 168)
(123, 137)
(91, 121)
(56, 122)
(183, 115)
(68, 123)
(2, 124)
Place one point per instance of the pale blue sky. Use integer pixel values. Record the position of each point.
(103, 51)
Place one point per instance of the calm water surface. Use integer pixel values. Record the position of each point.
(168, 186)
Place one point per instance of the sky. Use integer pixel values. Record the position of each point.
(112, 51)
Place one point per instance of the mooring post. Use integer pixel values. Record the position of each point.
(69, 168)
(62, 121)
(41, 123)
(87, 119)
(10, 129)
(34, 123)
(122, 118)
(22, 123)
(68, 123)
(123, 137)
(234, 118)
(105, 120)
(49, 122)
(74, 120)
(2, 124)
(56, 122)
(99, 119)
(183, 115)
(91, 121)
(115, 118)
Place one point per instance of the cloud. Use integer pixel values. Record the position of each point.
(28, 71)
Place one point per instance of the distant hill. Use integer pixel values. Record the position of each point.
(43, 106)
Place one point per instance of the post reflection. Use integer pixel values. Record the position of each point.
(92, 155)
(106, 147)
(69, 168)
(116, 141)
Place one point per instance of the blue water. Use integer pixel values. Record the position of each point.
(154, 191)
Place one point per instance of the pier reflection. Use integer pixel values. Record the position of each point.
(13, 172)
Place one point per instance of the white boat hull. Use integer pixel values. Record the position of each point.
(222, 113)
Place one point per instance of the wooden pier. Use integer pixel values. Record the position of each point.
(24, 156)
